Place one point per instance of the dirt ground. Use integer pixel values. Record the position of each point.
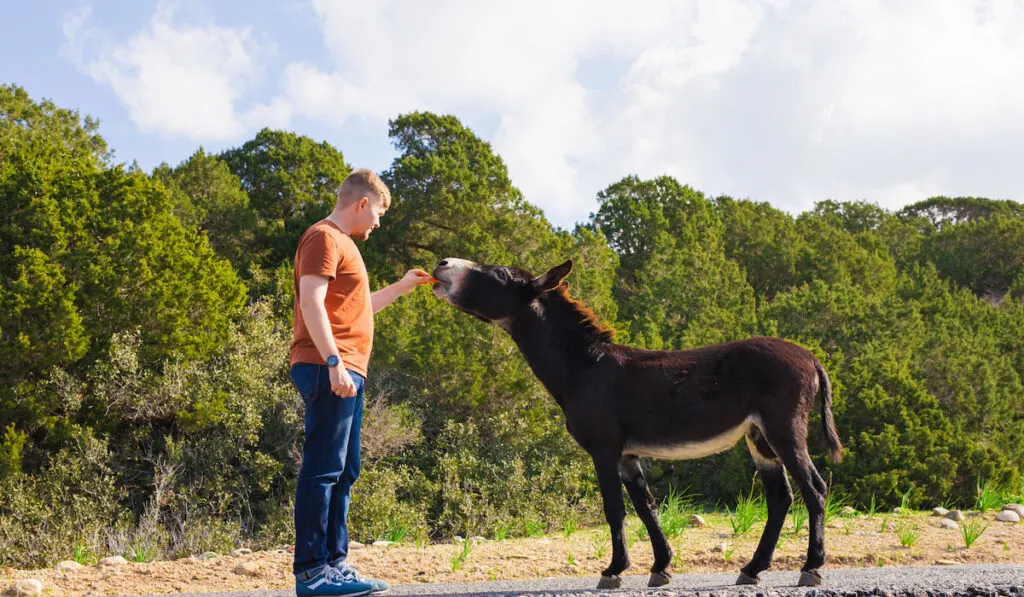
(858, 541)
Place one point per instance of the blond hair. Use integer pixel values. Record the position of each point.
(363, 183)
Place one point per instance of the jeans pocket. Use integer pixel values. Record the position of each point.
(306, 379)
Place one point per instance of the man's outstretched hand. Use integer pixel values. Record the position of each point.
(415, 277)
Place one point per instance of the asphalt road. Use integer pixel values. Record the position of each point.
(926, 581)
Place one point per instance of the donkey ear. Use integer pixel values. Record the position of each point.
(553, 277)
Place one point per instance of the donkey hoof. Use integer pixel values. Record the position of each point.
(609, 582)
(743, 579)
(659, 579)
(810, 578)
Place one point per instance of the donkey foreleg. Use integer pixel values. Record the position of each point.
(606, 464)
(647, 508)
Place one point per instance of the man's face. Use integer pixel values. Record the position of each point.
(369, 211)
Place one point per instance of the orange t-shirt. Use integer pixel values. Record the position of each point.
(324, 250)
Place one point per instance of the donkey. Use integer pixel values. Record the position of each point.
(622, 402)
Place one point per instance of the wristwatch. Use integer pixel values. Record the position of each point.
(333, 360)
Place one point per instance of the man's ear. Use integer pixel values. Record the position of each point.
(553, 277)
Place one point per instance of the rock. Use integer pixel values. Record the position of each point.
(1008, 516)
(1018, 508)
(112, 561)
(940, 511)
(209, 555)
(477, 539)
(946, 563)
(248, 569)
(355, 545)
(720, 547)
(27, 587)
(955, 515)
(68, 566)
(382, 543)
(241, 552)
(848, 511)
(898, 510)
(948, 524)
(696, 520)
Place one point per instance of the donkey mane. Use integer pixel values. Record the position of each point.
(572, 316)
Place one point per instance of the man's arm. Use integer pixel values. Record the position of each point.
(313, 292)
(385, 296)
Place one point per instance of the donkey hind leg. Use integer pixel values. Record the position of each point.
(792, 450)
(779, 497)
(606, 465)
(647, 508)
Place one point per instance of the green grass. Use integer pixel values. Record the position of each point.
(989, 497)
(501, 532)
(395, 532)
(971, 530)
(872, 508)
(672, 513)
(534, 528)
(140, 552)
(908, 533)
(798, 516)
(640, 531)
(749, 509)
(834, 504)
(905, 500)
(460, 556)
(569, 525)
(84, 555)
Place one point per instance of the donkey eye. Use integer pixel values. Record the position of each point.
(503, 274)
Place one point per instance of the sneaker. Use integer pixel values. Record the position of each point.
(347, 569)
(328, 581)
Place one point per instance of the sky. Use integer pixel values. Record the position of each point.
(789, 102)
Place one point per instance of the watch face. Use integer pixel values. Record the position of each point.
(332, 361)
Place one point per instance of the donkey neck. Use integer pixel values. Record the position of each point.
(557, 352)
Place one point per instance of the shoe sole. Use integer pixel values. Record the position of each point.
(333, 594)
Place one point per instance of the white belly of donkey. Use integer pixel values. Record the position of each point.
(690, 450)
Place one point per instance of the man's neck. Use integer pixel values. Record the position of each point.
(338, 219)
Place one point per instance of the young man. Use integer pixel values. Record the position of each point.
(330, 353)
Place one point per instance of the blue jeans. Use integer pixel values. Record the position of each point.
(330, 465)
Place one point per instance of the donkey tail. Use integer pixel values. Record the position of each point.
(835, 447)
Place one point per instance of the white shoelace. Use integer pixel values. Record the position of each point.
(350, 570)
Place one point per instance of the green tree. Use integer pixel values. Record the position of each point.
(207, 196)
(453, 198)
(985, 255)
(89, 251)
(943, 211)
(292, 182)
(763, 240)
(675, 286)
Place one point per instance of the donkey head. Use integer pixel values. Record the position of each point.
(493, 293)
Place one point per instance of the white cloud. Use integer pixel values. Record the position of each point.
(177, 79)
(785, 101)
(789, 102)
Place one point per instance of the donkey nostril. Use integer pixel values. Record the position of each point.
(442, 263)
